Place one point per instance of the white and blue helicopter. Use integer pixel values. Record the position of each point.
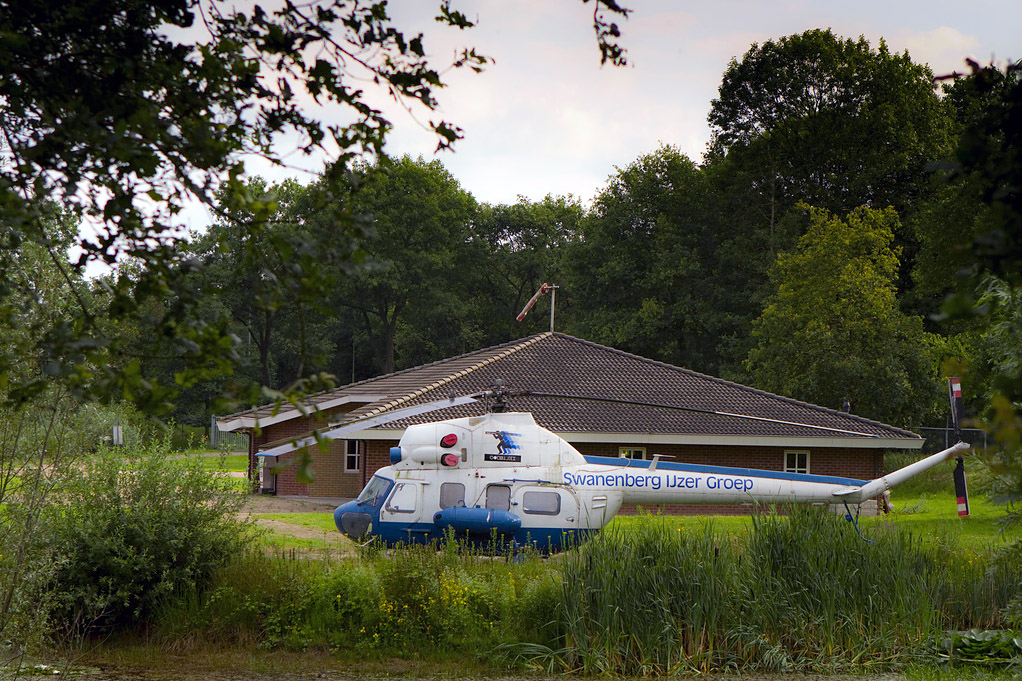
(502, 477)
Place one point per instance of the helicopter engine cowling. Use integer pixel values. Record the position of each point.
(477, 521)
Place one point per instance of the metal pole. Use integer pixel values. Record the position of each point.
(553, 304)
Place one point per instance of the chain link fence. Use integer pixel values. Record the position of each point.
(942, 438)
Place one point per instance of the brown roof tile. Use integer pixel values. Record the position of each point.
(558, 363)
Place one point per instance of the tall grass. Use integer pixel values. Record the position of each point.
(796, 593)
(418, 600)
(799, 593)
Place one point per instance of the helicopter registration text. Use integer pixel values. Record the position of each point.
(656, 482)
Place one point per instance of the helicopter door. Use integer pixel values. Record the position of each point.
(547, 508)
(404, 504)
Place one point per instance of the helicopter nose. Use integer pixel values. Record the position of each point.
(353, 523)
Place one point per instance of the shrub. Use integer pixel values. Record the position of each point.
(135, 528)
(39, 449)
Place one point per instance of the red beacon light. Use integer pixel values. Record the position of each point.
(449, 440)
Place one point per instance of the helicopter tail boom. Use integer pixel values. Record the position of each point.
(877, 487)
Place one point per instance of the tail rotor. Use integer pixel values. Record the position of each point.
(961, 489)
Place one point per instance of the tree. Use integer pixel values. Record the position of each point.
(986, 169)
(647, 270)
(418, 249)
(258, 273)
(126, 111)
(829, 122)
(526, 245)
(832, 329)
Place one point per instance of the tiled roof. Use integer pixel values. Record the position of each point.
(558, 363)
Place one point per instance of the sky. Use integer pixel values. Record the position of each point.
(546, 118)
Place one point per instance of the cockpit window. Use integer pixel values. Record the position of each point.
(375, 492)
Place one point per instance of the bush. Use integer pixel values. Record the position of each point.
(136, 528)
(39, 451)
(418, 601)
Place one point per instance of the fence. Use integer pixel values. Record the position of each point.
(226, 441)
(942, 438)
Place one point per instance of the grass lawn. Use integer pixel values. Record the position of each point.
(226, 463)
(316, 521)
(924, 506)
(329, 542)
(329, 545)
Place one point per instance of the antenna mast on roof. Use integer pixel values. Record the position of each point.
(532, 301)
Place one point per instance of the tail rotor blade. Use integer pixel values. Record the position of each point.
(954, 386)
(961, 490)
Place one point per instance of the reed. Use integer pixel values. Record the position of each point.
(411, 602)
(798, 593)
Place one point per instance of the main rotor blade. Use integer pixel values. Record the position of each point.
(338, 431)
(698, 411)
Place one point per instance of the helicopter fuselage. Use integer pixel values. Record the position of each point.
(501, 477)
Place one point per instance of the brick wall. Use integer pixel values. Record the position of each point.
(862, 464)
(331, 478)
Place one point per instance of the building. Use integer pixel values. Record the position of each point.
(716, 422)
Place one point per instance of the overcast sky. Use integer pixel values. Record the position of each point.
(545, 118)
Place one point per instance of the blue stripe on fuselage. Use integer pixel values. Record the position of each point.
(722, 470)
(542, 538)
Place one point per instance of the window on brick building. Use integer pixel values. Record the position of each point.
(352, 456)
(632, 453)
(796, 461)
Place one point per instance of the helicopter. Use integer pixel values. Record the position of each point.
(502, 477)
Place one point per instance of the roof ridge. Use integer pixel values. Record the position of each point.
(515, 347)
(733, 384)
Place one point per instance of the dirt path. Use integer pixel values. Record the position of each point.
(259, 504)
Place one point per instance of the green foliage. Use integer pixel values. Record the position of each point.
(647, 272)
(832, 328)
(125, 112)
(802, 592)
(982, 647)
(421, 259)
(42, 443)
(828, 121)
(525, 245)
(269, 279)
(136, 528)
(988, 158)
(796, 594)
(414, 602)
